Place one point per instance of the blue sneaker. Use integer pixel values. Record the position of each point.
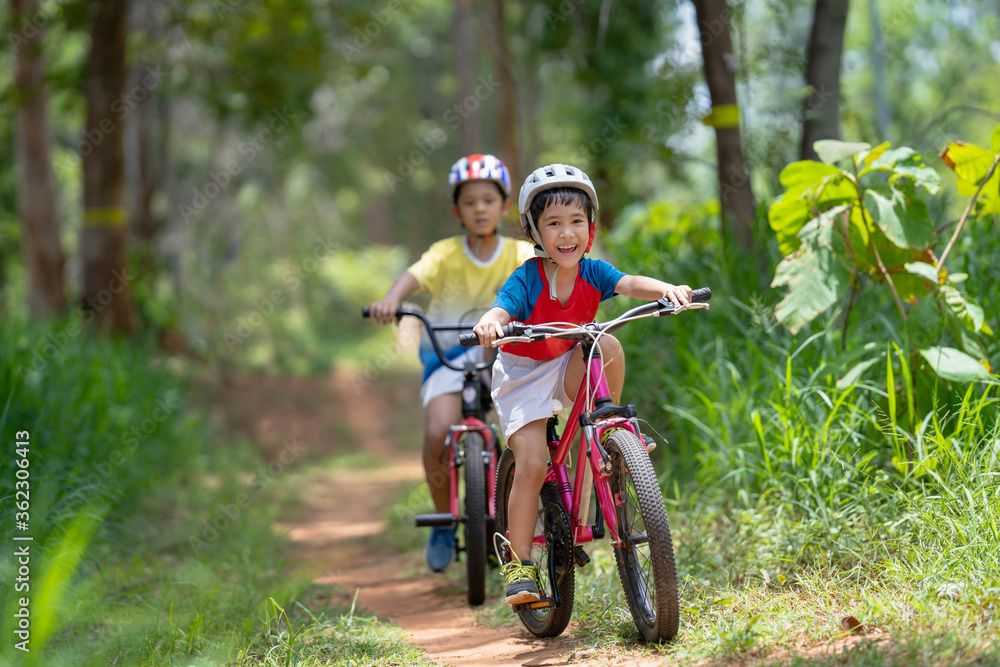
(440, 547)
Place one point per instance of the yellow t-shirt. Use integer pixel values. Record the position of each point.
(459, 282)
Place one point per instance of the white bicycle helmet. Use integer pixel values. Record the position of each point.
(477, 167)
(550, 177)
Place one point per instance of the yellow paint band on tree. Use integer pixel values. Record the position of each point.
(104, 216)
(723, 116)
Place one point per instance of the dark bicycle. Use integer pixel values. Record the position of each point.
(473, 447)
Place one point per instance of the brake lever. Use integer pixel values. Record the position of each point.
(680, 309)
(511, 339)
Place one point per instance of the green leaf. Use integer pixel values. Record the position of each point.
(924, 322)
(852, 376)
(926, 271)
(954, 365)
(831, 151)
(890, 157)
(966, 339)
(995, 139)
(969, 312)
(816, 274)
(904, 161)
(809, 185)
(903, 218)
(970, 164)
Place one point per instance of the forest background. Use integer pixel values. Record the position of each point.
(229, 181)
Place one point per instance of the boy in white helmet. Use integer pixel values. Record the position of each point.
(461, 273)
(558, 205)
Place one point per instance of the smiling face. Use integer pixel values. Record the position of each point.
(480, 206)
(565, 232)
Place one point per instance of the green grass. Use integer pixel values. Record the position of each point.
(153, 537)
(798, 499)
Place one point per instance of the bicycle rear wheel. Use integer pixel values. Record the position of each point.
(475, 517)
(553, 522)
(646, 555)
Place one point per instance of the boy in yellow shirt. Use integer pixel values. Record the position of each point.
(462, 274)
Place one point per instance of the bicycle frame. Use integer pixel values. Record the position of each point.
(480, 511)
(471, 422)
(590, 450)
(624, 484)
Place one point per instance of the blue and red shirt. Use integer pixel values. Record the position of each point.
(526, 297)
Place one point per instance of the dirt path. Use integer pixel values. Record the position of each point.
(336, 536)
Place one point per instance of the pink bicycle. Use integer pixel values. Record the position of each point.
(472, 447)
(629, 501)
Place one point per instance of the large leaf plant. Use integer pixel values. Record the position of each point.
(862, 212)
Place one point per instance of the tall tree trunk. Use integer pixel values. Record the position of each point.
(146, 146)
(468, 105)
(506, 106)
(43, 253)
(106, 278)
(883, 113)
(738, 210)
(821, 115)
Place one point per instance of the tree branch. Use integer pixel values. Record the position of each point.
(968, 210)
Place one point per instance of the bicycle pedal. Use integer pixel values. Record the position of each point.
(544, 603)
(445, 520)
(581, 556)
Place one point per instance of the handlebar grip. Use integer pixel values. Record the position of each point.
(367, 312)
(513, 329)
(701, 295)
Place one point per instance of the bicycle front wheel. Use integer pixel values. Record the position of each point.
(475, 517)
(553, 522)
(646, 555)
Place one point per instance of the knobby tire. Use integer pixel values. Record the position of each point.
(645, 566)
(550, 621)
(476, 511)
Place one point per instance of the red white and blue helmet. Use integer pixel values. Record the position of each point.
(478, 167)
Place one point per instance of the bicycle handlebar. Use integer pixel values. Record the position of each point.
(431, 328)
(516, 332)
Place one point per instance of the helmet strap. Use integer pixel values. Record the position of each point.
(536, 237)
(479, 240)
(552, 282)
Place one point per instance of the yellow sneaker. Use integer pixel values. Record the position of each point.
(522, 581)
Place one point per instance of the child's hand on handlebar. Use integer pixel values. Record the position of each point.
(490, 326)
(679, 294)
(488, 331)
(384, 311)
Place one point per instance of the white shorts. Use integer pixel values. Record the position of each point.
(524, 389)
(446, 381)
